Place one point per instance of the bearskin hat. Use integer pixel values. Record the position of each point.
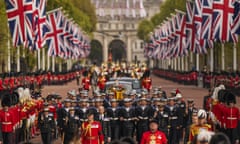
(230, 98)
(6, 101)
(222, 95)
(85, 73)
(15, 98)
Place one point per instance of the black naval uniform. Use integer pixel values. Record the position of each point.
(163, 121)
(62, 114)
(105, 122)
(47, 126)
(113, 114)
(82, 114)
(127, 116)
(175, 120)
(143, 114)
(71, 126)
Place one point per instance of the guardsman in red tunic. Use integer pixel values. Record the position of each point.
(154, 136)
(86, 83)
(231, 118)
(101, 82)
(7, 121)
(91, 131)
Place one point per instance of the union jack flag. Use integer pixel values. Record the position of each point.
(20, 20)
(207, 12)
(40, 27)
(55, 33)
(223, 11)
(180, 48)
(236, 18)
(190, 26)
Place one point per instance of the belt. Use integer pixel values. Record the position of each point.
(173, 118)
(143, 118)
(231, 118)
(92, 138)
(114, 118)
(6, 123)
(83, 120)
(128, 119)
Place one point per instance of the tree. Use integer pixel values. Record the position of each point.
(144, 28)
(166, 9)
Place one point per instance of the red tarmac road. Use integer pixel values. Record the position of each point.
(187, 92)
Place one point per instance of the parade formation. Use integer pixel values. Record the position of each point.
(111, 58)
(95, 115)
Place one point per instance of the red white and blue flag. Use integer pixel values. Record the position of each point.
(20, 20)
(180, 49)
(190, 26)
(236, 18)
(55, 33)
(223, 11)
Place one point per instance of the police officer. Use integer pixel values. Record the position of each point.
(113, 114)
(143, 113)
(127, 117)
(46, 125)
(71, 126)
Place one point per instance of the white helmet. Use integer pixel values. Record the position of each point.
(178, 95)
(202, 114)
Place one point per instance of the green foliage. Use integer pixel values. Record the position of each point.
(144, 28)
(96, 51)
(166, 9)
(82, 12)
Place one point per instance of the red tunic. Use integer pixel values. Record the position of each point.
(101, 83)
(86, 83)
(7, 120)
(147, 83)
(157, 137)
(231, 117)
(218, 111)
(92, 133)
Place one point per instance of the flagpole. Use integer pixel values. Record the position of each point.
(179, 64)
(48, 62)
(211, 60)
(223, 56)
(38, 56)
(182, 61)
(53, 64)
(54, 10)
(43, 58)
(234, 57)
(18, 59)
(186, 63)
(197, 62)
(9, 55)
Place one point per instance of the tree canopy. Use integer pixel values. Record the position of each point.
(166, 9)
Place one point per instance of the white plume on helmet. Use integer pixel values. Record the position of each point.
(202, 113)
(216, 90)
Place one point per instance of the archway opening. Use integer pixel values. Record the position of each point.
(96, 54)
(117, 50)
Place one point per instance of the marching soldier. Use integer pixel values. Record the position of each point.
(190, 112)
(113, 114)
(174, 122)
(86, 82)
(46, 125)
(7, 121)
(147, 81)
(91, 131)
(143, 113)
(127, 117)
(162, 118)
(231, 118)
(105, 123)
(82, 111)
(61, 114)
(101, 82)
(154, 136)
(71, 126)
